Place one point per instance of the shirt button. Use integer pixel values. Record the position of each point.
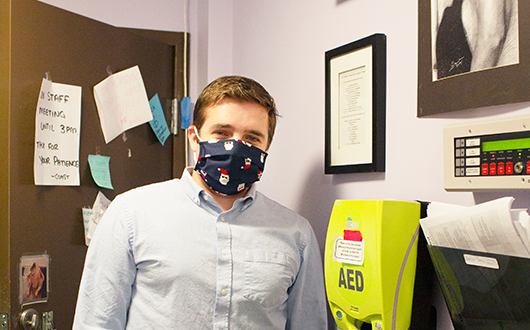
(223, 251)
(223, 292)
(206, 198)
(223, 219)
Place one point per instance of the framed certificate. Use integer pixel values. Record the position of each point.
(356, 106)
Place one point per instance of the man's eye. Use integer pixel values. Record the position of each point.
(253, 139)
(220, 133)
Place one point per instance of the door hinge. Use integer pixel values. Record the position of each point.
(174, 117)
(47, 320)
(4, 321)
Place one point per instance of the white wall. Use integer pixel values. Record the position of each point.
(281, 44)
(156, 15)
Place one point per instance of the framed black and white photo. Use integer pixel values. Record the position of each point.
(355, 91)
(472, 54)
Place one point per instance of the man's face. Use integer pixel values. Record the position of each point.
(230, 119)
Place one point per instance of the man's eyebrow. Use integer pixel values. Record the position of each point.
(248, 131)
(217, 126)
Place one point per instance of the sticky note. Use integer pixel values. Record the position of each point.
(122, 102)
(99, 167)
(353, 235)
(185, 112)
(159, 123)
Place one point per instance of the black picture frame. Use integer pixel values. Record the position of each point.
(494, 86)
(355, 129)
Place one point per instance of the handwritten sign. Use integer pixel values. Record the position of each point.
(99, 167)
(57, 132)
(122, 102)
(159, 123)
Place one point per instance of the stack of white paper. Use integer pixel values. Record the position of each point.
(492, 227)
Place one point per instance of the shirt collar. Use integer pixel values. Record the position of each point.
(199, 196)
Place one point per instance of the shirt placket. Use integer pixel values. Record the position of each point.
(224, 273)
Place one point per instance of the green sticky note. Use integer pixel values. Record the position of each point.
(99, 167)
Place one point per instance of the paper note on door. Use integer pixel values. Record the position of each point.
(57, 131)
(99, 167)
(122, 102)
(159, 123)
(92, 216)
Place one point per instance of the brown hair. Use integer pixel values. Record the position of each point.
(240, 89)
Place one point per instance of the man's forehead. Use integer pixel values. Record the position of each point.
(223, 112)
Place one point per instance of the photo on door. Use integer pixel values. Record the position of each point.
(34, 279)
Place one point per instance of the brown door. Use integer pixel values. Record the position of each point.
(35, 39)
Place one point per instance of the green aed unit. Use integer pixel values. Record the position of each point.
(370, 263)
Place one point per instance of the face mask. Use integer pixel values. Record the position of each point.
(229, 166)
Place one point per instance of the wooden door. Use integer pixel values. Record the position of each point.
(36, 39)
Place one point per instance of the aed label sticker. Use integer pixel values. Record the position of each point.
(350, 252)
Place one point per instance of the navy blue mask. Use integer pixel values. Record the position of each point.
(230, 166)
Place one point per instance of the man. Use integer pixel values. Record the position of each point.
(207, 251)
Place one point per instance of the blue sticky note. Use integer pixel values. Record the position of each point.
(159, 123)
(185, 112)
(99, 167)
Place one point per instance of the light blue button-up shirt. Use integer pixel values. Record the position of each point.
(165, 256)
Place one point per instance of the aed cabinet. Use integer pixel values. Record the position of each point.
(370, 263)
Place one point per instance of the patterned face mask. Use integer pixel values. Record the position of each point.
(229, 166)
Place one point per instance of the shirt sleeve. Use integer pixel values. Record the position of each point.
(109, 273)
(307, 304)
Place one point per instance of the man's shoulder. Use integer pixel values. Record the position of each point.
(269, 202)
(152, 190)
(274, 207)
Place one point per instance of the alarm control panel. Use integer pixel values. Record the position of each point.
(488, 155)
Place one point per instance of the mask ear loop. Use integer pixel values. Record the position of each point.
(197, 133)
(200, 140)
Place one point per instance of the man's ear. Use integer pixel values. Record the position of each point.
(193, 139)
